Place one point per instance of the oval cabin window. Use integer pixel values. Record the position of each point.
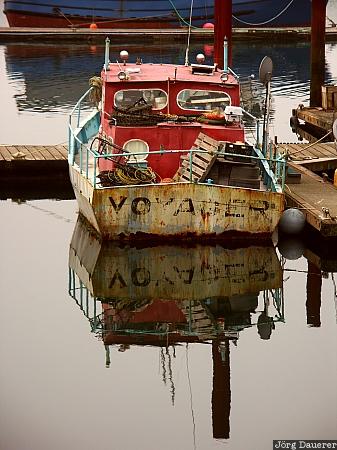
(154, 98)
(197, 100)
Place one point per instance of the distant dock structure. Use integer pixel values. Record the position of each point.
(178, 34)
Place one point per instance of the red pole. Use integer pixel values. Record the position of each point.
(223, 28)
(318, 18)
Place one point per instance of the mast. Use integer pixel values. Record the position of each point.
(223, 30)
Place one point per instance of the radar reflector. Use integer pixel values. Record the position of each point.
(266, 70)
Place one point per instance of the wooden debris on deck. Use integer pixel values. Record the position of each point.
(201, 162)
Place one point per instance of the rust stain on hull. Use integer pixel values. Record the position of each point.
(178, 211)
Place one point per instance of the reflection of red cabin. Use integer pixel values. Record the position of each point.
(167, 91)
(156, 313)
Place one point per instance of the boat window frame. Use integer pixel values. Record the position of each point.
(144, 157)
(146, 89)
(201, 90)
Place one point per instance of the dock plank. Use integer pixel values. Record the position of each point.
(63, 149)
(5, 153)
(47, 153)
(329, 151)
(33, 152)
(58, 152)
(300, 153)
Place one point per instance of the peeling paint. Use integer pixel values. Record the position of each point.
(179, 210)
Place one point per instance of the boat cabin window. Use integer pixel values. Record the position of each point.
(156, 98)
(204, 100)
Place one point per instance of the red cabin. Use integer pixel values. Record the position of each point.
(159, 107)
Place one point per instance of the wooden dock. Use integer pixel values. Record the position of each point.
(28, 161)
(25, 153)
(116, 35)
(29, 172)
(316, 157)
(316, 199)
(317, 117)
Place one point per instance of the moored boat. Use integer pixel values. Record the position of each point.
(164, 155)
(153, 14)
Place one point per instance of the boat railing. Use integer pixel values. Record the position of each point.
(81, 153)
(273, 169)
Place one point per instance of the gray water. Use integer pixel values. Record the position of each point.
(55, 389)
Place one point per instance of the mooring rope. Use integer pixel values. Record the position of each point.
(267, 21)
(310, 145)
(96, 92)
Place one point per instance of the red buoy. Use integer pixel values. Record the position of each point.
(208, 25)
(93, 26)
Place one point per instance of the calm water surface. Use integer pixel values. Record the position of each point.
(265, 381)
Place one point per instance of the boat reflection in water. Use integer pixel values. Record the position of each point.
(167, 295)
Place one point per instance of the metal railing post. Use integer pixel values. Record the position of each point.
(95, 163)
(191, 159)
(87, 164)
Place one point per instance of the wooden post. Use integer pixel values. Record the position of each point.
(223, 29)
(318, 18)
(221, 394)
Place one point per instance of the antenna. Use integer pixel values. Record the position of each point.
(265, 75)
(189, 35)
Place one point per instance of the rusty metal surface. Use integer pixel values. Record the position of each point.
(171, 272)
(177, 209)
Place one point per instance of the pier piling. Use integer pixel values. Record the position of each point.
(318, 18)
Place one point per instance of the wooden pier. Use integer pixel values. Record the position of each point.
(316, 198)
(317, 117)
(317, 157)
(116, 35)
(25, 154)
(30, 172)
